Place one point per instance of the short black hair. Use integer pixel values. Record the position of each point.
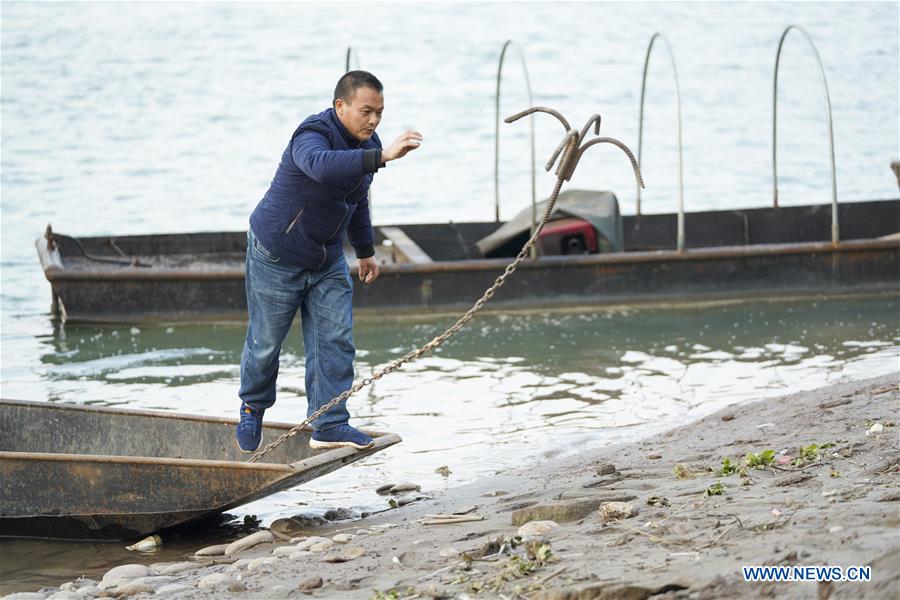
(353, 80)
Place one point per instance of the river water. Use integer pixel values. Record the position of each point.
(142, 118)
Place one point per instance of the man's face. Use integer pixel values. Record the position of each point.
(362, 113)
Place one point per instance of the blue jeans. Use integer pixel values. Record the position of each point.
(274, 293)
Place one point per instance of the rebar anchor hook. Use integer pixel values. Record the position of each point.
(571, 148)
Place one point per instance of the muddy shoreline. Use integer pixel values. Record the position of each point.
(827, 495)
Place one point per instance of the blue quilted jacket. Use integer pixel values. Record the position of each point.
(319, 192)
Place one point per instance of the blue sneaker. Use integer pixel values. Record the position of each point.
(249, 429)
(342, 436)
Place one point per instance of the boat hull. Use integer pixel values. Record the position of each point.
(144, 471)
(731, 254)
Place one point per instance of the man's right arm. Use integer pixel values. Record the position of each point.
(313, 155)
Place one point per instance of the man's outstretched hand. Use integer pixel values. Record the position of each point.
(407, 142)
(368, 270)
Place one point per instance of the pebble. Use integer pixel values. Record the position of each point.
(311, 541)
(172, 588)
(217, 550)
(728, 417)
(239, 564)
(875, 429)
(836, 529)
(654, 456)
(131, 588)
(215, 580)
(260, 537)
(299, 554)
(262, 561)
(536, 529)
(363, 532)
(321, 546)
(297, 540)
(310, 583)
(342, 538)
(448, 552)
(405, 487)
(284, 550)
(347, 554)
(127, 572)
(174, 568)
(613, 511)
(237, 586)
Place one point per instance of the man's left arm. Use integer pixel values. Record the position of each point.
(362, 238)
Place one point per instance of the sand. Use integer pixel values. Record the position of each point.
(839, 507)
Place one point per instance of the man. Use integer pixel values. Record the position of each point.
(295, 258)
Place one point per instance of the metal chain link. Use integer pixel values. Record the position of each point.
(571, 154)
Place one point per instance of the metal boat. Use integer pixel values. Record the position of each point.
(439, 268)
(90, 473)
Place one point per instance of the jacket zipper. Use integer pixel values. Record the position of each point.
(341, 222)
(294, 222)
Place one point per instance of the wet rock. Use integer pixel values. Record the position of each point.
(215, 580)
(64, 595)
(537, 529)
(172, 588)
(728, 417)
(25, 596)
(342, 538)
(605, 469)
(384, 489)
(131, 588)
(175, 568)
(286, 528)
(148, 544)
(260, 537)
(405, 487)
(338, 514)
(309, 521)
(297, 540)
(654, 456)
(127, 572)
(310, 583)
(217, 550)
(88, 591)
(657, 501)
(300, 554)
(561, 512)
(613, 511)
(345, 555)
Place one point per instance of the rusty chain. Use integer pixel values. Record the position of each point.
(569, 153)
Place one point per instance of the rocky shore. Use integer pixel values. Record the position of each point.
(807, 479)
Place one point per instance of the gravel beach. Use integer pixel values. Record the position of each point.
(810, 479)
